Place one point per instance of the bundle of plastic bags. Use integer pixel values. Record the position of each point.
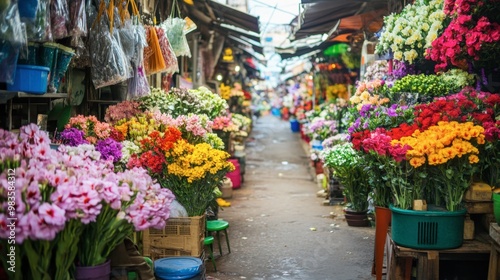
(109, 63)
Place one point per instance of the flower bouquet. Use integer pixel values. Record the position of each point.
(92, 128)
(408, 34)
(178, 102)
(348, 167)
(190, 170)
(449, 151)
(52, 217)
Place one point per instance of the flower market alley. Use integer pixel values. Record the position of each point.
(279, 227)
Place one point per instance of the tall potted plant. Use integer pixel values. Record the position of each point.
(349, 168)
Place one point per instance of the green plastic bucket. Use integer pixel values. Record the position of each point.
(435, 229)
(496, 207)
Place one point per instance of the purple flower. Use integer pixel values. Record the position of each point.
(73, 137)
(109, 149)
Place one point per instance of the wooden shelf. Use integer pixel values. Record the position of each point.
(8, 95)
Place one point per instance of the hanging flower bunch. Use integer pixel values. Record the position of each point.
(371, 92)
(408, 34)
(92, 128)
(472, 36)
(449, 150)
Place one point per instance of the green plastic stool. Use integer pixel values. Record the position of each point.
(209, 242)
(217, 226)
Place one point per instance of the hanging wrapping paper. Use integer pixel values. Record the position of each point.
(59, 18)
(153, 57)
(174, 29)
(168, 54)
(109, 64)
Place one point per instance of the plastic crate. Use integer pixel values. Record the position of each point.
(435, 229)
(30, 79)
(180, 237)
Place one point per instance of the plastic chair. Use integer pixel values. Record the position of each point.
(217, 226)
(209, 241)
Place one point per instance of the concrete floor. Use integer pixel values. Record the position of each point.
(279, 228)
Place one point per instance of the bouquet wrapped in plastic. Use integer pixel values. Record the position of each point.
(138, 85)
(109, 63)
(174, 28)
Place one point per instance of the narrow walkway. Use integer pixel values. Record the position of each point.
(279, 228)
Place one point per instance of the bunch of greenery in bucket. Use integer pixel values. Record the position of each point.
(349, 168)
(53, 218)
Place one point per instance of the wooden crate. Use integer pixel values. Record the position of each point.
(180, 237)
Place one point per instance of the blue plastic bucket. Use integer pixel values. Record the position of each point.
(177, 268)
(294, 125)
(30, 79)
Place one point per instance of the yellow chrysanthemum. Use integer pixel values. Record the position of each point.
(417, 161)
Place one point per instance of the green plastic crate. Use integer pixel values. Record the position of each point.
(435, 229)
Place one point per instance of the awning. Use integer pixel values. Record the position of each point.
(256, 46)
(228, 15)
(320, 17)
(371, 21)
(232, 30)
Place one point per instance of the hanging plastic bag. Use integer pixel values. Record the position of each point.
(38, 28)
(153, 57)
(127, 38)
(171, 63)
(59, 18)
(174, 29)
(78, 18)
(138, 85)
(109, 64)
(12, 39)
